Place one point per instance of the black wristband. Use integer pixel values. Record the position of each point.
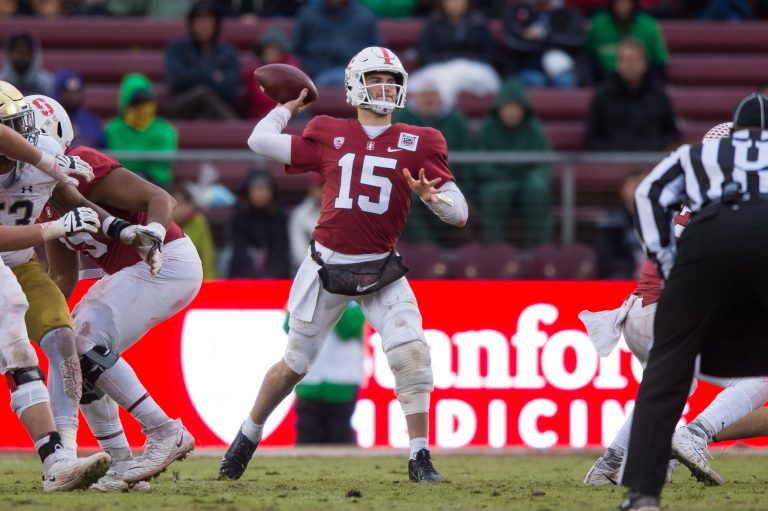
(116, 227)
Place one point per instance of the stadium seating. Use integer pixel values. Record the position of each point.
(487, 261)
(425, 260)
(555, 261)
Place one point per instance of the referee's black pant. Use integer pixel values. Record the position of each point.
(721, 270)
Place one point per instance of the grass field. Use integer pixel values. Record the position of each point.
(310, 483)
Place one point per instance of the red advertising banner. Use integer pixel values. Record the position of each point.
(513, 367)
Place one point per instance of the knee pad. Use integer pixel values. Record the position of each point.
(411, 366)
(93, 364)
(302, 350)
(17, 354)
(27, 388)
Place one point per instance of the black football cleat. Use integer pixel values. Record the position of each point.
(421, 469)
(236, 459)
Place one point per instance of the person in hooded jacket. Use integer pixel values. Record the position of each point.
(259, 230)
(512, 126)
(138, 128)
(23, 65)
(202, 72)
(273, 48)
(68, 90)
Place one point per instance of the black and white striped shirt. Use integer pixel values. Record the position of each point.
(694, 175)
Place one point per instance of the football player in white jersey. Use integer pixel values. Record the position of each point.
(18, 361)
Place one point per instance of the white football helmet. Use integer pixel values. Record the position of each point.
(369, 60)
(722, 130)
(51, 119)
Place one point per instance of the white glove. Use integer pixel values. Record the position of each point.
(63, 168)
(665, 259)
(142, 235)
(74, 221)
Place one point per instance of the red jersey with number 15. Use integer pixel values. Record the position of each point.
(366, 199)
(107, 254)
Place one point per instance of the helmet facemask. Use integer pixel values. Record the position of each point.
(371, 61)
(23, 123)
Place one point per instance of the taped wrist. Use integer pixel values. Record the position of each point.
(113, 226)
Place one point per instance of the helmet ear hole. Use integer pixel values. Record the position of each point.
(59, 130)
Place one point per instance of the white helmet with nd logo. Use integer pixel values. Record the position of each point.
(371, 60)
(51, 119)
(15, 113)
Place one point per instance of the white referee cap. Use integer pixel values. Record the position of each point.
(752, 112)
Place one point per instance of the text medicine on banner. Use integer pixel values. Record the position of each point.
(513, 367)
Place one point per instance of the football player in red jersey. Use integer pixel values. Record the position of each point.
(740, 397)
(120, 308)
(370, 169)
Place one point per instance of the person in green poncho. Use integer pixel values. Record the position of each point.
(512, 126)
(137, 128)
(326, 397)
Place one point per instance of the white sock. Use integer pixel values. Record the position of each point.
(121, 384)
(69, 439)
(103, 417)
(418, 444)
(252, 431)
(734, 403)
(621, 440)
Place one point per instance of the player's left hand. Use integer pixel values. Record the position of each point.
(425, 189)
(153, 256)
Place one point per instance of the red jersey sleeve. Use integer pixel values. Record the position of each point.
(435, 158)
(101, 163)
(305, 149)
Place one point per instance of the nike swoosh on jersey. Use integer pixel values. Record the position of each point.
(393, 149)
(361, 288)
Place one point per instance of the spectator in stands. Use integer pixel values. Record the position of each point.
(9, 7)
(137, 128)
(546, 39)
(623, 19)
(428, 105)
(513, 126)
(272, 48)
(194, 224)
(47, 8)
(631, 111)
(303, 219)
(455, 31)
(326, 397)
(259, 232)
(328, 33)
(617, 247)
(202, 72)
(23, 65)
(392, 8)
(68, 90)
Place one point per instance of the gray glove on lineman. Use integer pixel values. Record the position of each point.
(63, 168)
(147, 239)
(73, 222)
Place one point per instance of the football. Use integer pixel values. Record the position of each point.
(283, 82)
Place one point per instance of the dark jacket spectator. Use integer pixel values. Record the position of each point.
(202, 72)
(328, 33)
(68, 90)
(23, 65)
(631, 111)
(272, 48)
(454, 31)
(617, 246)
(534, 30)
(260, 247)
(623, 19)
(513, 126)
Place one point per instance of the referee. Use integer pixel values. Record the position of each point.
(715, 298)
